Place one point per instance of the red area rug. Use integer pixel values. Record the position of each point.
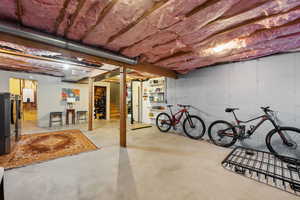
(36, 148)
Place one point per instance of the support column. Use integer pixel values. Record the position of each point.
(123, 113)
(91, 103)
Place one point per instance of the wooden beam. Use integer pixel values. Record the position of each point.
(91, 104)
(61, 15)
(107, 75)
(19, 10)
(148, 12)
(143, 67)
(123, 113)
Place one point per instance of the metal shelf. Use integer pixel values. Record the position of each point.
(266, 168)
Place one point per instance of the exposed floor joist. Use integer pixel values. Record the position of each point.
(156, 6)
(104, 12)
(61, 15)
(19, 11)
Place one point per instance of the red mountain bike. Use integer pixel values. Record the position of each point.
(193, 126)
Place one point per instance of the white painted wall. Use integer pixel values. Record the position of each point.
(271, 81)
(48, 94)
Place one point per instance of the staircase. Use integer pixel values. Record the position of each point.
(114, 111)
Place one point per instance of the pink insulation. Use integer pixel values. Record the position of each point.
(188, 25)
(267, 9)
(123, 14)
(180, 35)
(41, 14)
(86, 18)
(243, 6)
(66, 21)
(8, 9)
(169, 14)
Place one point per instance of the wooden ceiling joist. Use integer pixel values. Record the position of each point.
(104, 12)
(144, 67)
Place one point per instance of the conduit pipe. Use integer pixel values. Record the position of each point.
(26, 33)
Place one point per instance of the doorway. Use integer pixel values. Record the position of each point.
(100, 102)
(27, 90)
(137, 101)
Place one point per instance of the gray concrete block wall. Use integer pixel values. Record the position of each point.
(271, 81)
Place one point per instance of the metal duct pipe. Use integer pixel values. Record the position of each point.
(62, 43)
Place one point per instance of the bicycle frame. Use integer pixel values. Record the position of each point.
(176, 120)
(263, 118)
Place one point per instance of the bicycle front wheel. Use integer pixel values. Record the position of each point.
(194, 127)
(222, 133)
(277, 146)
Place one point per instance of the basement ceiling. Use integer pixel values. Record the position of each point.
(15, 57)
(181, 35)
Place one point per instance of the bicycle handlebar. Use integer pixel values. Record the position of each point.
(266, 109)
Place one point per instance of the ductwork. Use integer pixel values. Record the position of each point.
(62, 43)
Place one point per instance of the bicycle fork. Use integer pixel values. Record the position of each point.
(284, 139)
(190, 120)
(281, 134)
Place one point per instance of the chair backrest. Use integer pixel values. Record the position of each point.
(55, 113)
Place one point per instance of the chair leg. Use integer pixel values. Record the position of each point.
(61, 121)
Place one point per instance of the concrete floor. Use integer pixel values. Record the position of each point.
(155, 165)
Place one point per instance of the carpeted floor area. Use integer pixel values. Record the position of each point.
(35, 148)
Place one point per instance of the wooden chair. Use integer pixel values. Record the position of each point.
(53, 115)
(81, 116)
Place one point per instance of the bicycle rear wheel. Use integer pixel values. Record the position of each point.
(163, 122)
(194, 127)
(222, 133)
(276, 145)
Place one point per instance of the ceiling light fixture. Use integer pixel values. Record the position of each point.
(225, 47)
(66, 66)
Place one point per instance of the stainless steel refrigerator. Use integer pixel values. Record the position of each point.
(10, 121)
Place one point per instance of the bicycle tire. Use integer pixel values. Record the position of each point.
(278, 148)
(211, 134)
(202, 124)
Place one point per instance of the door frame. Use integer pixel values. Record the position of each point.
(107, 86)
(21, 95)
(140, 102)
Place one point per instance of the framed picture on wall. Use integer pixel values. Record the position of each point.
(70, 93)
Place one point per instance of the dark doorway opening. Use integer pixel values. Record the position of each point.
(100, 102)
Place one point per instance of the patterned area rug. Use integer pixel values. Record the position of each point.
(42, 147)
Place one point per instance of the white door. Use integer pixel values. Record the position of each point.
(136, 101)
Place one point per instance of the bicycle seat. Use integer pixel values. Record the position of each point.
(231, 109)
(184, 106)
